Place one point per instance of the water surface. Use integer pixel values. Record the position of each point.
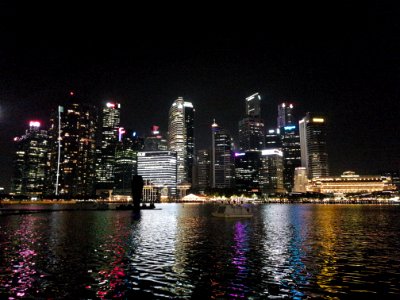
(182, 252)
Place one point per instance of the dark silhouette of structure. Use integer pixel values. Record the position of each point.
(137, 188)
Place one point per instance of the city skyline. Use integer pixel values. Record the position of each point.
(351, 77)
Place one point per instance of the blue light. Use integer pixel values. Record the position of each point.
(289, 127)
(134, 134)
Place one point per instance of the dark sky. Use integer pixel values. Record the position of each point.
(343, 62)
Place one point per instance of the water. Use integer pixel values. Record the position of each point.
(181, 252)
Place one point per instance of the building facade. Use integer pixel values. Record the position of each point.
(181, 137)
(160, 169)
(105, 161)
(285, 115)
(73, 156)
(30, 162)
(290, 141)
(247, 172)
(271, 171)
(314, 155)
(222, 158)
(203, 170)
(155, 141)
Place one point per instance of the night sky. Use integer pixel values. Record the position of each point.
(344, 64)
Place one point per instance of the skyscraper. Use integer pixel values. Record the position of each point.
(203, 170)
(290, 141)
(271, 171)
(251, 128)
(247, 167)
(222, 158)
(125, 166)
(285, 115)
(110, 122)
(30, 164)
(73, 132)
(181, 137)
(155, 141)
(314, 156)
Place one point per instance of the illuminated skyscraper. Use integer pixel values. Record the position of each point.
(247, 167)
(203, 170)
(251, 128)
(110, 122)
(271, 171)
(181, 137)
(73, 157)
(314, 156)
(30, 164)
(222, 158)
(125, 166)
(290, 142)
(159, 168)
(285, 115)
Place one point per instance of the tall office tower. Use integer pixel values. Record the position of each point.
(247, 167)
(30, 164)
(290, 141)
(251, 128)
(110, 122)
(273, 139)
(160, 169)
(271, 171)
(300, 180)
(73, 157)
(125, 166)
(155, 141)
(181, 137)
(203, 170)
(285, 115)
(222, 158)
(314, 155)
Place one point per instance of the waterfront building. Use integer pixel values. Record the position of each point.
(222, 158)
(395, 177)
(300, 180)
(247, 172)
(181, 137)
(73, 155)
(314, 155)
(202, 172)
(155, 141)
(271, 171)
(30, 162)
(126, 161)
(105, 160)
(251, 127)
(290, 142)
(285, 115)
(350, 183)
(160, 169)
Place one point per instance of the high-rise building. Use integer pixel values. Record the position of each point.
(273, 139)
(30, 164)
(181, 137)
(290, 141)
(73, 157)
(155, 141)
(125, 166)
(251, 128)
(247, 172)
(285, 115)
(160, 169)
(314, 155)
(271, 171)
(253, 105)
(105, 162)
(203, 170)
(222, 158)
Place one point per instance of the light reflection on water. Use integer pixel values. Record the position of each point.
(295, 251)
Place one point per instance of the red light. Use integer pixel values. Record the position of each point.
(71, 93)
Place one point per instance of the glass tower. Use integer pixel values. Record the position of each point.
(181, 137)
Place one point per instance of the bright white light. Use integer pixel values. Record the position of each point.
(34, 124)
(109, 104)
(188, 104)
(272, 152)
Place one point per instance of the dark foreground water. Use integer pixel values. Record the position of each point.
(181, 252)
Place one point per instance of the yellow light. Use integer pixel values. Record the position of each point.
(318, 120)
